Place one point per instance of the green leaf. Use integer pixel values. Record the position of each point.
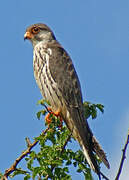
(36, 171)
(29, 164)
(100, 107)
(42, 102)
(88, 175)
(42, 112)
(79, 170)
(33, 154)
(68, 162)
(27, 177)
(19, 171)
(91, 109)
(57, 162)
(66, 169)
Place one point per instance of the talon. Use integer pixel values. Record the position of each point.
(48, 119)
(57, 114)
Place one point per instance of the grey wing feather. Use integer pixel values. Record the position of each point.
(64, 74)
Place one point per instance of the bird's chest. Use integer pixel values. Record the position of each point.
(44, 79)
(41, 69)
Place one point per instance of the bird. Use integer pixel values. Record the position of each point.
(59, 84)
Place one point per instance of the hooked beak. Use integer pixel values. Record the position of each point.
(28, 35)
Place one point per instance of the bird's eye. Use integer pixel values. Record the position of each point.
(35, 30)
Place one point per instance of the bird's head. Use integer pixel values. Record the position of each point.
(39, 33)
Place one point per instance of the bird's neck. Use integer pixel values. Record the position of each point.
(43, 38)
(43, 43)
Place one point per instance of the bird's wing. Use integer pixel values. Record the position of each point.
(65, 76)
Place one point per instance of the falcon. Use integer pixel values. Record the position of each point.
(59, 84)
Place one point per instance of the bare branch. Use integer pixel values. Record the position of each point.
(25, 153)
(123, 157)
(103, 176)
(28, 142)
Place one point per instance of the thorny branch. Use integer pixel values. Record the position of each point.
(123, 157)
(25, 153)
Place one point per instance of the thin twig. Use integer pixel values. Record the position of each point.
(49, 111)
(103, 176)
(123, 157)
(25, 153)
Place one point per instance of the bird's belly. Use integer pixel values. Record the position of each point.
(47, 86)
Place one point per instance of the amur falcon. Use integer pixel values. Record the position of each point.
(59, 84)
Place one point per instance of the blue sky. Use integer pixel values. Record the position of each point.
(96, 35)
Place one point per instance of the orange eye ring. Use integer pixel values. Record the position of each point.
(35, 30)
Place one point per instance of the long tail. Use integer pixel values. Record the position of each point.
(82, 133)
(99, 151)
(89, 155)
(90, 159)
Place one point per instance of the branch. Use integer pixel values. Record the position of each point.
(123, 157)
(25, 153)
(103, 176)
